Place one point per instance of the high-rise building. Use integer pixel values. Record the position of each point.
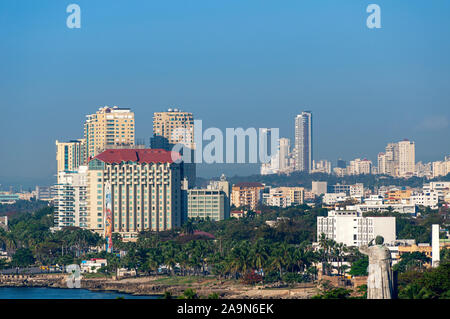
(391, 159)
(381, 163)
(284, 152)
(110, 127)
(173, 127)
(176, 127)
(71, 199)
(142, 186)
(406, 158)
(70, 155)
(359, 167)
(303, 142)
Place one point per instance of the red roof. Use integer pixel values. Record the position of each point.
(138, 155)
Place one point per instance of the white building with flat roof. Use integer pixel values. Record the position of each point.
(350, 228)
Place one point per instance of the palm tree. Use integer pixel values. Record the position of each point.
(189, 227)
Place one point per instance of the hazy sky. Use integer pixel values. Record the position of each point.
(233, 64)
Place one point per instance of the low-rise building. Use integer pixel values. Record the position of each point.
(8, 198)
(93, 265)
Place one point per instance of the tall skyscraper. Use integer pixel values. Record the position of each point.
(303, 142)
(110, 127)
(70, 155)
(407, 158)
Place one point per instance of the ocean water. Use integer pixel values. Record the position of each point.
(57, 293)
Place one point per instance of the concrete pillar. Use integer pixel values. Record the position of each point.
(435, 245)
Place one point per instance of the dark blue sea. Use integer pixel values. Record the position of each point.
(57, 293)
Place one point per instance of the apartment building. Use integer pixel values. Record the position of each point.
(175, 126)
(70, 155)
(407, 160)
(141, 189)
(350, 228)
(71, 199)
(246, 194)
(109, 127)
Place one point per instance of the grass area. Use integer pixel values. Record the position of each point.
(183, 280)
(96, 275)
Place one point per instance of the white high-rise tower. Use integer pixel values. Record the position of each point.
(303, 142)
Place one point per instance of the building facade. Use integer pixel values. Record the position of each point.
(246, 195)
(70, 155)
(173, 127)
(110, 127)
(143, 187)
(71, 199)
(303, 142)
(351, 229)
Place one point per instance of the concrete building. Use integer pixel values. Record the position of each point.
(175, 127)
(322, 166)
(351, 229)
(382, 164)
(284, 153)
(407, 159)
(70, 155)
(334, 198)
(284, 196)
(208, 203)
(303, 142)
(359, 167)
(441, 188)
(110, 127)
(319, 188)
(145, 190)
(370, 207)
(93, 265)
(391, 159)
(71, 199)
(246, 195)
(45, 193)
(8, 198)
(212, 202)
(427, 199)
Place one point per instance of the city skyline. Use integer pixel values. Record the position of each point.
(366, 88)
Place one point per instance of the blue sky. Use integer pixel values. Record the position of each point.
(233, 64)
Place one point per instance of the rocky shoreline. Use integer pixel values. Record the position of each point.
(152, 287)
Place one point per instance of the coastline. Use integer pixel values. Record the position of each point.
(156, 286)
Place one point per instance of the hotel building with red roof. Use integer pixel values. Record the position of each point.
(143, 187)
